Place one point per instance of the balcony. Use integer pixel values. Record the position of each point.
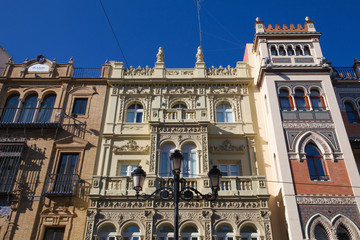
(31, 117)
(179, 115)
(230, 186)
(242, 186)
(292, 115)
(60, 185)
(35, 118)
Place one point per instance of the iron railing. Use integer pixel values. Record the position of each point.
(87, 72)
(319, 177)
(61, 184)
(41, 118)
(345, 72)
(10, 157)
(31, 117)
(74, 126)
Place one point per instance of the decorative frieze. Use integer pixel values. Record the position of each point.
(227, 147)
(308, 125)
(131, 147)
(179, 129)
(320, 200)
(112, 204)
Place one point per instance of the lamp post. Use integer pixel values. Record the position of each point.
(178, 189)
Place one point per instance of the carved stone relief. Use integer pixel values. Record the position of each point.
(130, 146)
(226, 147)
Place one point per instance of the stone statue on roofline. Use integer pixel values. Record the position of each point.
(160, 55)
(199, 55)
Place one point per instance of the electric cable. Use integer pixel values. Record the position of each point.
(113, 31)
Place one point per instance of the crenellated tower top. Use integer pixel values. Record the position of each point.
(308, 27)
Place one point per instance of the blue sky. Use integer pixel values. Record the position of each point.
(78, 28)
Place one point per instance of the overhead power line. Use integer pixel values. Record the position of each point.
(113, 31)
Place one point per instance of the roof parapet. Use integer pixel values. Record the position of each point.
(308, 27)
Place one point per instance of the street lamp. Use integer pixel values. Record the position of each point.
(178, 189)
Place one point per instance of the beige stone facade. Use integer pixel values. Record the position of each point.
(204, 112)
(50, 124)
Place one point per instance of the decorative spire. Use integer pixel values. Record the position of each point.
(307, 18)
(160, 55)
(199, 55)
(257, 19)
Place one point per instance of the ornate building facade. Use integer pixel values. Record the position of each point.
(207, 114)
(49, 128)
(311, 172)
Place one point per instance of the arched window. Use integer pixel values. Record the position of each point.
(300, 100)
(225, 232)
(315, 163)
(290, 51)
(273, 51)
(190, 160)
(47, 108)
(285, 100)
(307, 51)
(224, 113)
(249, 233)
(282, 51)
(107, 232)
(165, 233)
(351, 113)
(189, 233)
(320, 233)
(134, 113)
(165, 166)
(10, 108)
(298, 51)
(131, 233)
(29, 109)
(342, 233)
(317, 101)
(179, 105)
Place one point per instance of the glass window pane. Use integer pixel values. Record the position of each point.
(130, 117)
(300, 103)
(28, 111)
(139, 117)
(123, 170)
(220, 117)
(193, 164)
(10, 109)
(229, 117)
(285, 104)
(234, 170)
(164, 170)
(316, 103)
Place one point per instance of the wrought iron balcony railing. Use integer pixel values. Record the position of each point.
(319, 177)
(41, 118)
(31, 117)
(61, 184)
